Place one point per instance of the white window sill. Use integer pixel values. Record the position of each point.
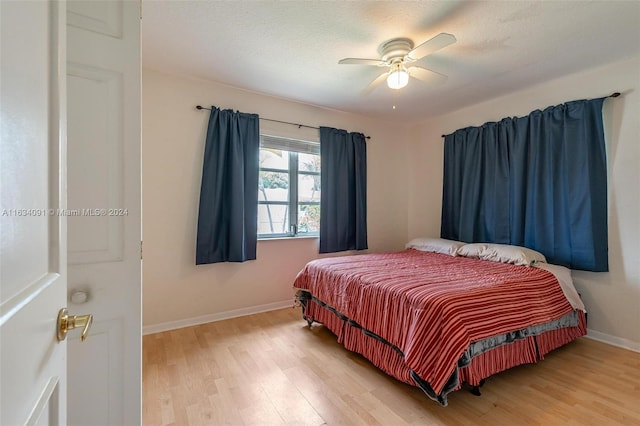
(298, 237)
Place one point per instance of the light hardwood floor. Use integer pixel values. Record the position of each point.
(271, 369)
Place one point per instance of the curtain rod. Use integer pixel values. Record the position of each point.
(278, 121)
(613, 95)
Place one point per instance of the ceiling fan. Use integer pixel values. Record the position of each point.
(397, 53)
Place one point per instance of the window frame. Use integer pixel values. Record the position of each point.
(293, 174)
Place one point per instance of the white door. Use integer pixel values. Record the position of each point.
(104, 267)
(32, 232)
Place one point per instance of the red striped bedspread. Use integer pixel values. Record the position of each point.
(432, 306)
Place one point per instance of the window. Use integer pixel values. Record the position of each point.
(288, 187)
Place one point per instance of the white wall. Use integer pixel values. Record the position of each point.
(404, 195)
(613, 298)
(176, 292)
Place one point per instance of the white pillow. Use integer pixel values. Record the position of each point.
(511, 254)
(472, 250)
(436, 245)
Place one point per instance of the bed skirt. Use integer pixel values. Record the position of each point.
(523, 349)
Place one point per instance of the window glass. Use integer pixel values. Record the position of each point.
(309, 163)
(309, 218)
(273, 186)
(273, 219)
(288, 188)
(308, 188)
(274, 159)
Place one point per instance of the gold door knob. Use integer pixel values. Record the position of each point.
(68, 322)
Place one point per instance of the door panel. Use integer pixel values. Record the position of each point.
(32, 230)
(103, 78)
(95, 159)
(102, 17)
(105, 407)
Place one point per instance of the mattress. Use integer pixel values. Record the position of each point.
(435, 312)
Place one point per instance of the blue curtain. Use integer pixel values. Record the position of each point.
(227, 219)
(343, 180)
(538, 181)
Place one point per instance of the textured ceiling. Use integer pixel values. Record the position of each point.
(291, 49)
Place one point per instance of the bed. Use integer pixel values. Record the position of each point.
(436, 319)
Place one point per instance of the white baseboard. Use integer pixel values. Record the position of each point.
(188, 322)
(613, 340)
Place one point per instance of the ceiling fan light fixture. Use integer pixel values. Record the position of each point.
(396, 54)
(397, 78)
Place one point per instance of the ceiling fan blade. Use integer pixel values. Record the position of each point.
(360, 61)
(436, 43)
(375, 83)
(426, 75)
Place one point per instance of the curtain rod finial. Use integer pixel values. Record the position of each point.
(615, 95)
(198, 106)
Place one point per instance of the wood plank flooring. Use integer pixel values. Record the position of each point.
(271, 369)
